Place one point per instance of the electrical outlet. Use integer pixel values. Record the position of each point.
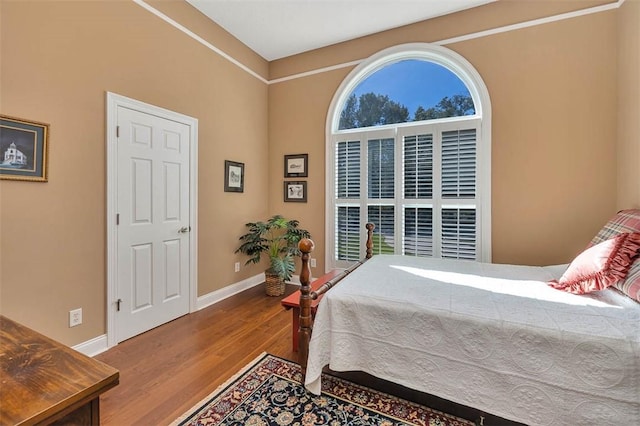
(313, 262)
(237, 267)
(75, 317)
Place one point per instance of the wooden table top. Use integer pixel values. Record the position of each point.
(43, 379)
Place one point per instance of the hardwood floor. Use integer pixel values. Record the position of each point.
(167, 370)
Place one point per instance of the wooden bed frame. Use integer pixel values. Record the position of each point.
(306, 295)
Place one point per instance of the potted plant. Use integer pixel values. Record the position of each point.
(278, 238)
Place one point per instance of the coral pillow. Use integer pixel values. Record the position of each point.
(600, 266)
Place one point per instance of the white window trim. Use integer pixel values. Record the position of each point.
(480, 95)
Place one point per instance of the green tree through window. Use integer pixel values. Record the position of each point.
(453, 106)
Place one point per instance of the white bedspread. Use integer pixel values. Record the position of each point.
(493, 337)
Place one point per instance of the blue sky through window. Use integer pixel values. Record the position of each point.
(413, 83)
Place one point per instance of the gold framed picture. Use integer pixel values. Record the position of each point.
(24, 149)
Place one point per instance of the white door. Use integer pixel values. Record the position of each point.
(152, 225)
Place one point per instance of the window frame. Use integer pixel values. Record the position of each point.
(478, 91)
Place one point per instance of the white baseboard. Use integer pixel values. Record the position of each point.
(228, 291)
(92, 347)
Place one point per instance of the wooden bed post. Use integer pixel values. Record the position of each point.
(306, 323)
(306, 295)
(370, 227)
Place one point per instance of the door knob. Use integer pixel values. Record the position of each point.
(184, 230)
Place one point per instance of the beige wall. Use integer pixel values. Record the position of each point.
(58, 60)
(555, 99)
(553, 93)
(629, 105)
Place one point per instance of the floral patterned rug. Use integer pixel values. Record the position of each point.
(268, 392)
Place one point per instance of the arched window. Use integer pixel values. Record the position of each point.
(408, 148)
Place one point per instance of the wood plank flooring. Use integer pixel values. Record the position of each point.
(169, 369)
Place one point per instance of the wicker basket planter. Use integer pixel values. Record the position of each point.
(274, 285)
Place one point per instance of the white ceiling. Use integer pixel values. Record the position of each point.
(279, 28)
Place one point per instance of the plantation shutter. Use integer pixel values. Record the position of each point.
(348, 228)
(422, 204)
(348, 169)
(459, 163)
(458, 224)
(459, 233)
(418, 231)
(381, 175)
(383, 218)
(418, 166)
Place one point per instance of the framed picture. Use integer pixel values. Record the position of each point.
(24, 146)
(233, 176)
(295, 191)
(296, 165)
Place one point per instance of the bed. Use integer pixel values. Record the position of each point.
(497, 338)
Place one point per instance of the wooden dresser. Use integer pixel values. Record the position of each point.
(45, 382)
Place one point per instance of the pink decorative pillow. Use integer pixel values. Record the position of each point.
(600, 266)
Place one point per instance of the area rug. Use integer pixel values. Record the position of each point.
(268, 392)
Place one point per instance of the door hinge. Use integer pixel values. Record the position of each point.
(117, 218)
(117, 131)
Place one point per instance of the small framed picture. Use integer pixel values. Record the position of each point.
(295, 191)
(24, 148)
(296, 165)
(233, 176)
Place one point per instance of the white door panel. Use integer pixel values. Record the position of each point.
(152, 234)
